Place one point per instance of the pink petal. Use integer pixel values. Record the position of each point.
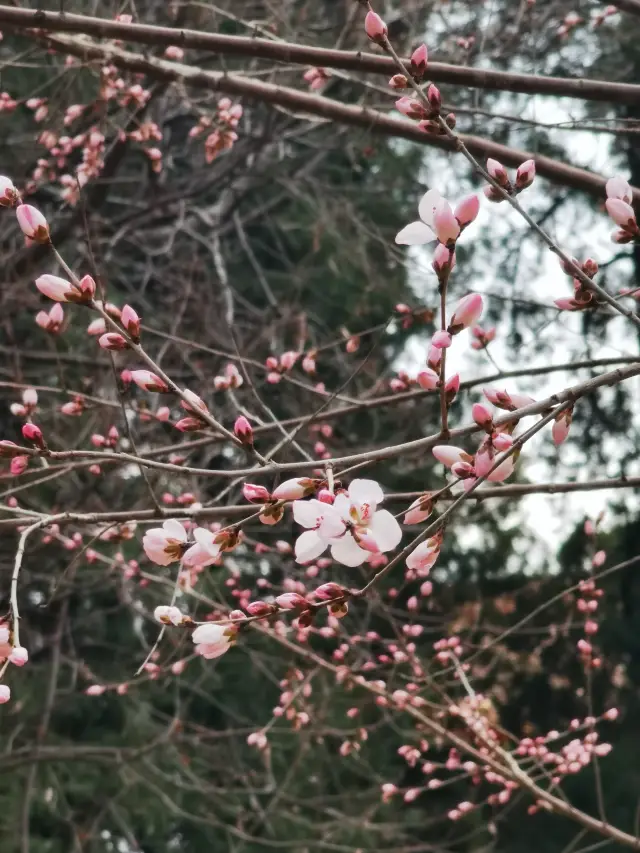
(365, 492)
(386, 530)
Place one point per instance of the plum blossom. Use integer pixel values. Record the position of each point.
(164, 545)
(206, 550)
(352, 526)
(438, 221)
(212, 640)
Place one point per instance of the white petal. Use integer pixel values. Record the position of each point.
(386, 530)
(309, 545)
(332, 524)
(205, 538)
(365, 492)
(347, 552)
(175, 530)
(209, 633)
(342, 505)
(308, 513)
(415, 234)
(429, 203)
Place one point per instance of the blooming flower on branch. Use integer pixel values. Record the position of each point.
(206, 550)
(353, 526)
(166, 544)
(212, 640)
(438, 221)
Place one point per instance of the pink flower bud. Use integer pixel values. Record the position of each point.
(148, 381)
(112, 341)
(434, 357)
(9, 195)
(452, 386)
(56, 288)
(467, 210)
(131, 321)
(419, 59)
(95, 690)
(617, 187)
(621, 213)
(5, 694)
(398, 81)
(464, 470)
(87, 287)
(328, 591)
(434, 98)
(293, 490)
(446, 225)
(19, 465)
(255, 494)
(163, 413)
(375, 27)
(190, 424)
(19, 656)
(243, 430)
(411, 108)
(444, 260)
(291, 601)
(449, 455)
(288, 359)
(428, 379)
(33, 434)
(259, 608)
(441, 339)
(502, 441)
(467, 312)
(498, 172)
(525, 174)
(560, 429)
(482, 416)
(32, 222)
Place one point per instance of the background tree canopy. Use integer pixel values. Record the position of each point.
(247, 211)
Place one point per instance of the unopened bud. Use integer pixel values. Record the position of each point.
(419, 59)
(375, 27)
(243, 431)
(33, 434)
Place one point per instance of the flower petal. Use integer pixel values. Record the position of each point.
(386, 530)
(365, 492)
(332, 524)
(348, 552)
(308, 513)
(415, 234)
(342, 506)
(309, 545)
(175, 530)
(430, 202)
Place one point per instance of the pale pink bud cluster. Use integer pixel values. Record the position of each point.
(28, 405)
(525, 176)
(317, 78)
(482, 337)
(618, 205)
(229, 380)
(51, 321)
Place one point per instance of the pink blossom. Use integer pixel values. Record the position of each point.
(148, 381)
(19, 465)
(411, 108)
(212, 640)
(375, 27)
(95, 690)
(168, 615)
(32, 222)
(166, 544)
(353, 526)
(428, 379)
(207, 548)
(193, 403)
(5, 693)
(419, 59)
(561, 425)
(449, 455)
(467, 210)
(294, 489)
(622, 214)
(497, 172)
(163, 413)
(444, 260)
(131, 322)
(291, 601)
(504, 400)
(422, 231)
(33, 433)
(255, 494)
(446, 225)
(501, 441)
(482, 415)
(9, 195)
(526, 174)
(441, 339)
(423, 557)
(56, 288)
(52, 321)
(19, 656)
(243, 430)
(112, 341)
(420, 510)
(467, 312)
(618, 187)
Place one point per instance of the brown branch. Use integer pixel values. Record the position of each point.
(370, 120)
(286, 52)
